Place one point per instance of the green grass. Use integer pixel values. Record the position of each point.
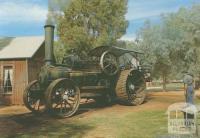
(140, 124)
(144, 124)
(116, 122)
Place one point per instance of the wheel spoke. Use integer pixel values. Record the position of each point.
(57, 104)
(65, 105)
(71, 106)
(61, 108)
(107, 66)
(36, 104)
(71, 99)
(39, 105)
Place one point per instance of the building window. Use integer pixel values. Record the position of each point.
(8, 79)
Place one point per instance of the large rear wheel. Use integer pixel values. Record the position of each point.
(130, 87)
(62, 98)
(33, 97)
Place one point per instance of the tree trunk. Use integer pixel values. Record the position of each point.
(164, 82)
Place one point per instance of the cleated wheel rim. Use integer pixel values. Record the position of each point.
(33, 97)
(130, 87)
(62, 98)
(135, 87)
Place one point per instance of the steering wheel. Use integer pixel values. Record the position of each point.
(109, 63)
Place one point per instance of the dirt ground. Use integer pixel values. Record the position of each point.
(15, 120)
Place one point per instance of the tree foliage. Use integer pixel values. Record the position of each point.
(55, 9)
(86, 24)
(173, 45)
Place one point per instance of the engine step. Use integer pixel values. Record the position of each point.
(93, 88)
(90, 95)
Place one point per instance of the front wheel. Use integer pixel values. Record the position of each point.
(62, 98)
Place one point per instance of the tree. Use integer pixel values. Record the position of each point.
(55, 9)
(153, 41)
(186, 24)
(173, 46)
(4, 41)
(87, 24)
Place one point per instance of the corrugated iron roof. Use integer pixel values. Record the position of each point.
(20, 47)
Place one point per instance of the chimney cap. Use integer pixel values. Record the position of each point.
(49, 25)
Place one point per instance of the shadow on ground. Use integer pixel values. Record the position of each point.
(93, 106)
(27, 125)
(43, 125)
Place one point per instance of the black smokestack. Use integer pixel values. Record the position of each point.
(49, 40)
(56, 8)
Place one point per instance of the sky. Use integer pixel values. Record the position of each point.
(27, 17)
